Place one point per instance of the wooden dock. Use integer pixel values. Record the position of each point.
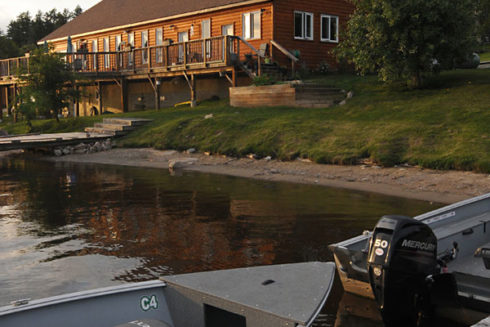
(33, 141)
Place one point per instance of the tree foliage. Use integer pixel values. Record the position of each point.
(25, 31)
(483, 16)
(400, 40)
(8, 49)
(49, 86)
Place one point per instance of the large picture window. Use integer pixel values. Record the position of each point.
(251, 25)
(303, 25)
(329, 28)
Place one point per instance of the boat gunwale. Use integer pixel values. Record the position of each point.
(82, 295)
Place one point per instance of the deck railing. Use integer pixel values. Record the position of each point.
(11, 66)
(211, 52)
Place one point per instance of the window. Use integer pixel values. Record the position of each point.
(303, 25)
(329, 28)
(251, 25)
(158, 43)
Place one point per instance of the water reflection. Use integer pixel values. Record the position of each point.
(67, 227)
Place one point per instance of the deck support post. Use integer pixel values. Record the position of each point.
(77, 102)
(15, 102)
(7, 102)
(192, 86)
(156, 90)
(124, 95)
(1, 106)
(233, 77)
(193, 91)
(99, 91)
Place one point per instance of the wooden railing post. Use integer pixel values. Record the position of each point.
(185, 55)
(165, 57)
(149, 59)
(259, 66)
(133, 60)
(227, 50)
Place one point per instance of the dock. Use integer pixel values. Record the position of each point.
(33, 141)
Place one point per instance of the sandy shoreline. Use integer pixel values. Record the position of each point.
(407, 182)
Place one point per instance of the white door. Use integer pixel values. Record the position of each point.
(206, 34)
(94, 51)
(159, 42)
(144, 45)
(183, 37)
(131, 44)
(107, 58)
(227, 30)
(118, 49)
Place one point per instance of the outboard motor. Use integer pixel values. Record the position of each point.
(402, 253)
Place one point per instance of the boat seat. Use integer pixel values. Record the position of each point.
(145, 323)
(484, 253)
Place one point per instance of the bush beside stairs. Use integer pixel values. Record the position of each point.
(116, 126)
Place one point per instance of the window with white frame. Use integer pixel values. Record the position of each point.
(303, 25)
(251, 25)
(329, 28)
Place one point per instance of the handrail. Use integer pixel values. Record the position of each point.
(257, 52)
(284, 51)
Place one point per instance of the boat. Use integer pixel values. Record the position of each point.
(433, 265)
(275, 295)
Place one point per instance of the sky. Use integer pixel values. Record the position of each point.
(10, 9)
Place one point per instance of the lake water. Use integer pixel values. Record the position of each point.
(68, 227)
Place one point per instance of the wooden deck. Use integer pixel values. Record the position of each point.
(33, 141)
(193, 57)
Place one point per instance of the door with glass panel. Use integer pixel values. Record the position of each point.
(107, 57)
(227, 30)
(131, 47)
(159, 43)
(205, 35)
(183, 37)
(144, 46)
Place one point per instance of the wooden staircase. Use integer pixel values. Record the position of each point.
(318, 96)
(116, 126)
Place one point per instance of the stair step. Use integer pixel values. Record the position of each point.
(114, 127)
(127, 121)
(317, 88)
(314, 104)
(99, 130)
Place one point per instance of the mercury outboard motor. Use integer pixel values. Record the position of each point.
(402, 253)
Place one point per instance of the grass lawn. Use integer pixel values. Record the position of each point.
(485, 56)
(445, 126)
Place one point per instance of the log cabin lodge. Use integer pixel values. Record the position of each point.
(137, 54)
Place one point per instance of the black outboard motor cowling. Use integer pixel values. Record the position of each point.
(402, 253)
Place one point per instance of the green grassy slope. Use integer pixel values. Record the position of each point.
(445, 126)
